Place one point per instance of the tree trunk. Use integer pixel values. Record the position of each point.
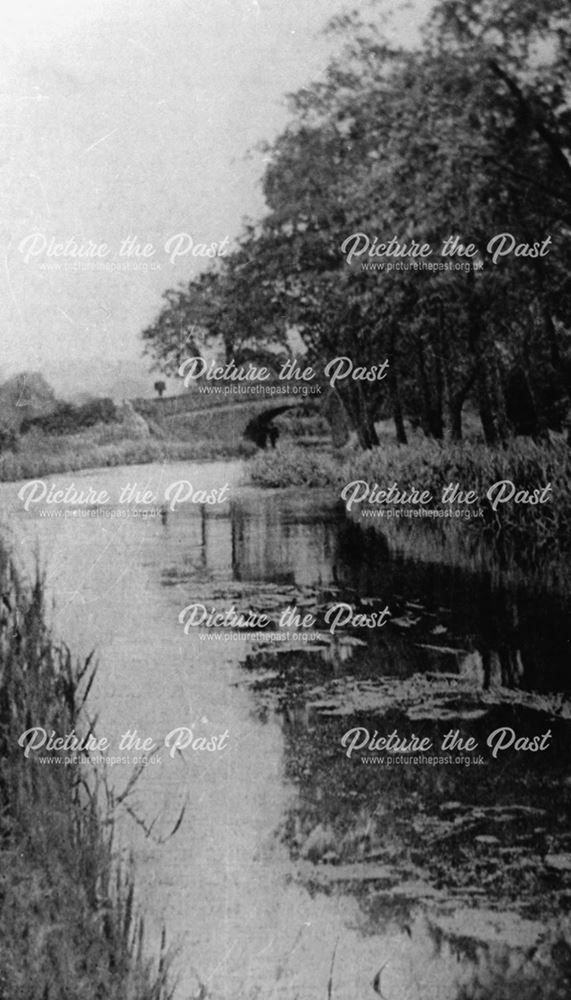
(485, 406)
(431, 388)
(367, 435)
(454, 400)
(499, 402)
(423, 380)
(455, 405)
(398, 415)
(436, 423)
(437, 408)
(485, 401)
(360, 416)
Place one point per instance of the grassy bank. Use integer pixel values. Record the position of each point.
(67, 926)
(526, 533)
(293, 465)
(40, 454)
(430, 466)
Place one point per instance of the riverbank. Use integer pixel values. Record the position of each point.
(68, 926)
(105, 446)
(320, 840)
(529, 523)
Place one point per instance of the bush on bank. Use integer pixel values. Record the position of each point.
(67, 418)
(288, 465)
(67, 926)
(427, 465)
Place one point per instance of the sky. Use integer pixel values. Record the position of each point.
(129, 124)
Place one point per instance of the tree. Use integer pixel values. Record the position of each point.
(227, 309)
(160, 388)
(394, 140)
(467, 135)
(23, 396)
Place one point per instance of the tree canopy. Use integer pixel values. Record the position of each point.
(466, 136)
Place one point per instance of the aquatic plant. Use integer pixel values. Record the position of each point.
(288, 465)
(521, 533)
(68, 924)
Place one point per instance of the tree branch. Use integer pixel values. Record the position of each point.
(550, 140)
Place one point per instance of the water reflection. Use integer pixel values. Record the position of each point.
(446, 618)
(450, 865)
(297, 872)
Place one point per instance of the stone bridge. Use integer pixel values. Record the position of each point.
(230, 419)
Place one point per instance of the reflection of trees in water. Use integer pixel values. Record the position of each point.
(501, 955)
(278, 543)
(509, 637)
(499, 637)
(522, 642)
(502, 659)
(443, 828)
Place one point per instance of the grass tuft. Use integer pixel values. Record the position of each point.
(526, 534)
(68, 927)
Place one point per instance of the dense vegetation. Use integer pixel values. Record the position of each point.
(100, 434)
(519, 538)
(68, 419)
(67, 922)
(467, 135)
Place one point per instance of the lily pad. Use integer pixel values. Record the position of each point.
(560, 862)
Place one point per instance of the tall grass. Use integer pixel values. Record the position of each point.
(431, 466)
(288, 465)
(523, 535)
(68, 927)
(97, 448)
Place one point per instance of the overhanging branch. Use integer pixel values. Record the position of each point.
(550, 140)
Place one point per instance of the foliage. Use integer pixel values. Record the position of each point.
(68, 419)
(22, 396)
(67, 923)
(428, 465)
(27, 389)
(405, 142)
(82, 453)
(8, 439)
(529, 532)
(468, 134)
(302, 426)
(230, 311)
(287, 465)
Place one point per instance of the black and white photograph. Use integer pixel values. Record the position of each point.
(285, 500)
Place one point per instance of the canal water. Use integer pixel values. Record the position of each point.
(281, 862)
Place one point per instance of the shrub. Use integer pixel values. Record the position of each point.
(287, 465)
(432, 466)
(68, 419)
(526, 532)
(8, 439)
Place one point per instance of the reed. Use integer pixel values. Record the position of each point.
(53, 454)
(68, 924)
(516, 536)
